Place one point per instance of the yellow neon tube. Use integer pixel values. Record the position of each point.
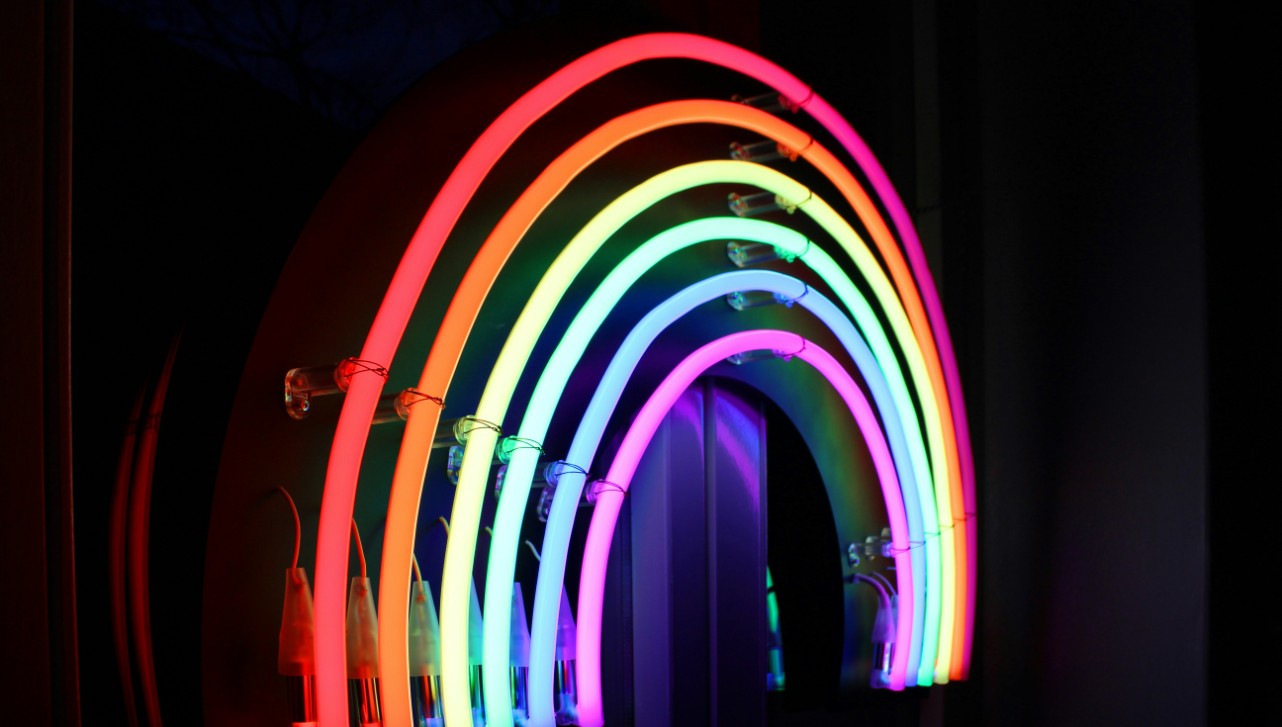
(424, 418)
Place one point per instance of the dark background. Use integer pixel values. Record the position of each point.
(1093, 176)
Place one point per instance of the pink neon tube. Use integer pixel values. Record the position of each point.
(605, 514)
(407, 283)
(967, 545)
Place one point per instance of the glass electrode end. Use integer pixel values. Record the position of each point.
(424, 632)
(498, 480)
(760, 152)
(454, 463)
(305, 383)
(544, 507)
(390, 409)
(462, 428)
(771, 101)
(872, 547)
(742, 300)
(752, 205)
(297, 654)
(852, 554)
(743, 357)
(743, 254)
(362, 631)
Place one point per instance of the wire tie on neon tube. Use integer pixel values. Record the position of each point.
(410, 397)
(787, 355)
(599, 486)
(553, 471)
(466, 425)
(349, 367)
(524, 443)
(795, 106)
(788, 257)
(787, 303)
(791, 207)
(552, 475)
(507, 445)
(793, 154)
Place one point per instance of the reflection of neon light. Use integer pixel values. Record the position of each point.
(775, 677)
(609, 501)
(389, 324)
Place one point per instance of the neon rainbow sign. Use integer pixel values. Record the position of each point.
(926, 475)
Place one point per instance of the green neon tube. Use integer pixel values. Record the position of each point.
(553, 380)
(460, 551)
(547, 393)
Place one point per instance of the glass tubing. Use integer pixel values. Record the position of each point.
(389, 324)
(551, 383)
(609, 501)
(641, 119)
(616, 376)
(478, 454)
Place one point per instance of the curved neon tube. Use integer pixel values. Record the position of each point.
(406, 488)
(469, 495)
(542, 404)
(560, 520)
(552, 381)
(606, 511)
(411, 465)
(443, 359)
(420, 255)
(588, 436)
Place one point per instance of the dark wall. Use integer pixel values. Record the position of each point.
(1091, 156)
(1089, 217)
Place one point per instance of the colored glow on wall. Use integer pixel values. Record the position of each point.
(389, 323)
(610, 500)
